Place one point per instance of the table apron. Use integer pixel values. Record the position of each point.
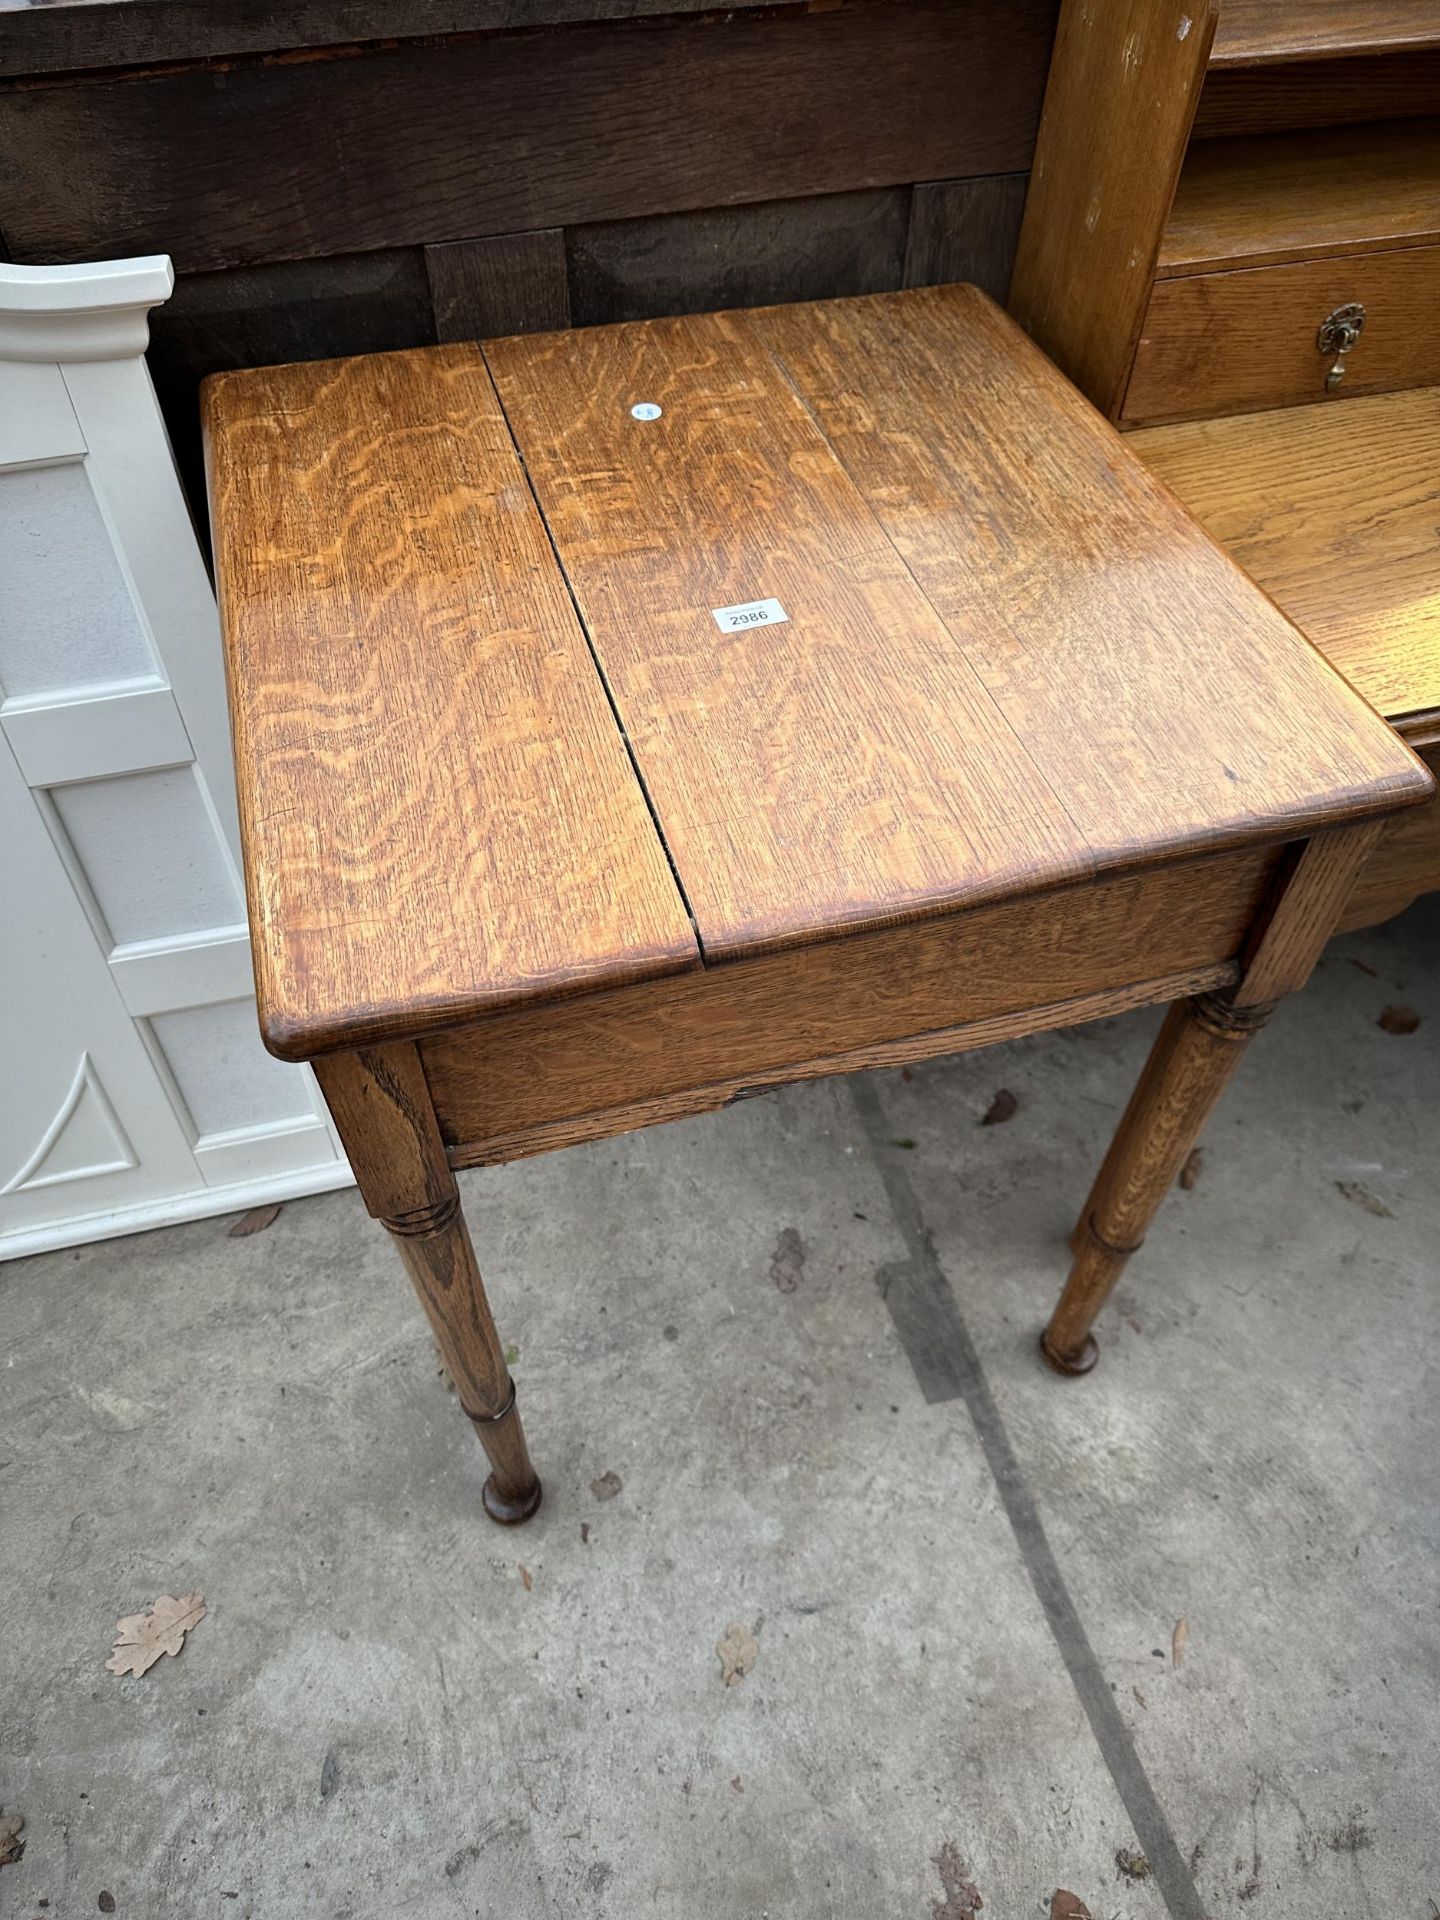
(580, 1069)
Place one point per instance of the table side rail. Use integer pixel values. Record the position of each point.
(544, 1077)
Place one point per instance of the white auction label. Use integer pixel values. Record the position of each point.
(750, 613)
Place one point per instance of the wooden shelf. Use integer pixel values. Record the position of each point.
(1333, 510)
(1304, 196)
(1257, 33)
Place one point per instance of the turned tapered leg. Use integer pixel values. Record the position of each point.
(1198, 1049)
(382, 1108)
(1191, 1064)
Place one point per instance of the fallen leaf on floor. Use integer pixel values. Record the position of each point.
(141, 1638)
(1177, 1642)
(1134, 1325)
(1398, 1019)
(738, 1651)
(11, 1845)
(787, 1263)
(962, 1896)
(512, 1354)
(1359, 1196)
(738, 1784)
(106, 1901)
(1190, 1172)
(1002, 1108)
(525, 1577)
(1132, 1863)
(607, 1486)
(255, 1221)
(1141, 1698)
(1068, 1906)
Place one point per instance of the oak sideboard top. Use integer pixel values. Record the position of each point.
(584, 658)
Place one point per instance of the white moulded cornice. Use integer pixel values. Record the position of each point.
(96, 311)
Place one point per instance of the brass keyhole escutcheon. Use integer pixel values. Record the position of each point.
(1338, 334)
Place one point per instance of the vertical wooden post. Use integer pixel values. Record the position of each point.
(382, 1108)
(1192, 1062)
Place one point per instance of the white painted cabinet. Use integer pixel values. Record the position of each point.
(135, 1087)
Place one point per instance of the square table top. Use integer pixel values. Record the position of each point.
(579, 658)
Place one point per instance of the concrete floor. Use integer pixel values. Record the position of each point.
(963, 1574)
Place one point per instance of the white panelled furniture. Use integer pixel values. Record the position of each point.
(135, 1090)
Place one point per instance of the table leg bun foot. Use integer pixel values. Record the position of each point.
(1072, 1365)
(510, 1509)
(513, 1492)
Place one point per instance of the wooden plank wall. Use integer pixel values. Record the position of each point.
(352, 198)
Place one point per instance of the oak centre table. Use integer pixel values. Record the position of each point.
(634, 718)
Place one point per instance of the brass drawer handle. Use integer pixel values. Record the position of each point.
(1339, 331)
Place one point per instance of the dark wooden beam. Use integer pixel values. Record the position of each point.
(966, 230)
(779, 250)
(495, 133)
(66, 36)
(508, 283)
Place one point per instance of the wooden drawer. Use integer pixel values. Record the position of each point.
(548, 1076)
(1240, 341)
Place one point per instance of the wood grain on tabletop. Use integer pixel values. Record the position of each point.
(841, 769)
(543, 1076)
(1217, 343)
(1333, 509)
(1125, 77)
(1297, 196)
(1167, 702)
(438, 812)
(1252, 32)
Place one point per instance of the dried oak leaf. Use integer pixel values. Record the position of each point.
(787, 1263)
(141, 1638)
(962, 1896)
(11, 1845)
(1190, 1172)
(1132, 1863)
(738, 1651)
(1359, 1196)
(607, 1486)
(1068, 1906)
(1002, 1108)
(255, 1221)
(1398, 1019)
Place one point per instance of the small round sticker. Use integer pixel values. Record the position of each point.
(645, 410)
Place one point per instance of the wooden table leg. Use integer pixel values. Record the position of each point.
(1192, 1062)
(382, 1108)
